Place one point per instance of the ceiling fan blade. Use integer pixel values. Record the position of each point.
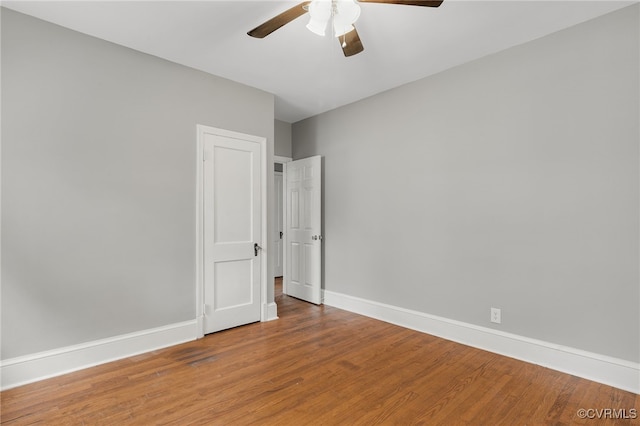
(406, 2)
(282, 19)
(351, 44)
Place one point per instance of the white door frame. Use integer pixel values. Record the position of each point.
(283, 161)
(201, 130)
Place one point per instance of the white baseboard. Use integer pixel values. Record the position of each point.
(599, 368)
(43, 365)
(271, 310)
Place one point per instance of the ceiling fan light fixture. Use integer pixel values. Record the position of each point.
(320, 14)
(347, 10)
(317, 27)
(342, 13)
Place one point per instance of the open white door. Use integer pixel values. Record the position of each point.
(303, 234)
(232, 230)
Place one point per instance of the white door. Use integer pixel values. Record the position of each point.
(303, 229)
(232, 231)
(279, 228)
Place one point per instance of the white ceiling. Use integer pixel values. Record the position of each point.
(308, 74)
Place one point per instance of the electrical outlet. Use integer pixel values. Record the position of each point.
(496, 315)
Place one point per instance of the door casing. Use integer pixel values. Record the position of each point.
(201, 130)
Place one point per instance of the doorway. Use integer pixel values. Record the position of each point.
(278, 230)
(302, 238)
(280, 177)
(303, 229)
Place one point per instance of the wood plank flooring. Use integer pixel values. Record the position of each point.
(317, 365)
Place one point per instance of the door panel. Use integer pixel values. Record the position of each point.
(232, 225)
(233, 194)
(295, 259)
(227, 295)
(294, 208)
(303, 229)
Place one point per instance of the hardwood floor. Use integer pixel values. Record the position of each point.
(317, 365)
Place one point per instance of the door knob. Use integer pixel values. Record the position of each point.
(256, 247)
(317, 237)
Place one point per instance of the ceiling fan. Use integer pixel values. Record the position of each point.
(341, 13)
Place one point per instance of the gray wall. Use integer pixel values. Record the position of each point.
(282, 138)
(98, 183)
(511, 181)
